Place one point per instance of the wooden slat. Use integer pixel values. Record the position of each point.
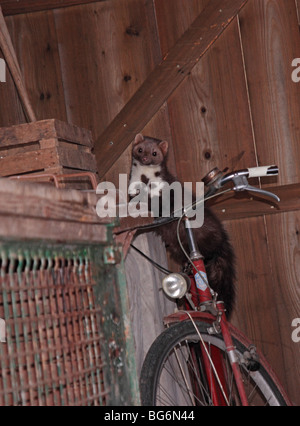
(112, 36)
(44, 129)
(76, 158)
(26, 162)
(46, 202)
(244, 205)
(21, 228)
(270, 40)
(283, 236)
(13, 64)
(217, 129)
(164, 79)
(147, 303)
(12, 7)
(256, 313)
(41, 68)
(174, 18)
(38, 56)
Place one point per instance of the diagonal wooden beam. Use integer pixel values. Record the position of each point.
(234, 206)
(13, 7)
(164, 79)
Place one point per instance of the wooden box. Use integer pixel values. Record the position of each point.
(64, 302)
(48, 146)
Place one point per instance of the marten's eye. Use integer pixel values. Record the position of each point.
(154, 154)
(140, 150)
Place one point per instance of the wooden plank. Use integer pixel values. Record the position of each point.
(283, 236)
(112, 36)
(12, 7)
(26, 162)
(11, 111)
(46, 202)
(38, 57)
(245, 205)
(217, 129)
(13, 64)
(256, 312)
(44, 129)
(174, 18)
(270, 40)
(76, 158)
(148, 305)
(164, 79)
(36, 207)
(21, 228)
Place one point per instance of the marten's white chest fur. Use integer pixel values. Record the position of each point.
(148, 175)
(148, 166)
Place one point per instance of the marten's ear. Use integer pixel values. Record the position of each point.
(139, 138)
(164, 146)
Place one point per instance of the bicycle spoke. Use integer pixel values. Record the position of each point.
(180, 373)
(184, 361)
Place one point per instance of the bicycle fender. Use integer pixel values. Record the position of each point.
(180, 316)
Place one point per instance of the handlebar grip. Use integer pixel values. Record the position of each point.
(263, 171)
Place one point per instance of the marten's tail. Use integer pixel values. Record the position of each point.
(220, 269)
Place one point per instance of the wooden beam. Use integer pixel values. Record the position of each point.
(245, 204)
(236, 206)
(27, 228)
(163, 80)
(38, 201)
(12, 61)
(13, 7)
(36, 211)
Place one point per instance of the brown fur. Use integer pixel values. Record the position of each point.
(212, 238)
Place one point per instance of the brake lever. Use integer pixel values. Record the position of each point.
(241, 184)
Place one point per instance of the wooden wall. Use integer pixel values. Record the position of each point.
(238, 108)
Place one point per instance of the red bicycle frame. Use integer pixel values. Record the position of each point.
(201, 294)
(200, 288)
(202, 306)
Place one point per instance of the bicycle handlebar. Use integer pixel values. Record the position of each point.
(215, 180)
(263, 171)
(251, 172)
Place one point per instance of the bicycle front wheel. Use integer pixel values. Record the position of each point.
(174, 374)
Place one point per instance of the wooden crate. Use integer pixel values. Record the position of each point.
(48, 146)
(64, 301)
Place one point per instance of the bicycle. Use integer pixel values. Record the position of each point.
(200, 358)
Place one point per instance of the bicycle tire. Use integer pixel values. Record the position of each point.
(161, 352)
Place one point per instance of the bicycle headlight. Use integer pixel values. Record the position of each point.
(176, 285)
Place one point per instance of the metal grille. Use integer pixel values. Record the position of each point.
(51, 355)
